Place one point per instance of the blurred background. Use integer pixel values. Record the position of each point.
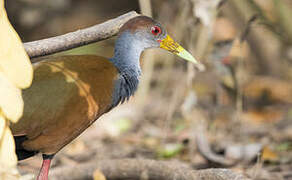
(237, 114)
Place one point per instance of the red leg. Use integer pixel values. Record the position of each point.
(43, 174)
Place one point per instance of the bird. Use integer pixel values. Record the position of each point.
(71, 92)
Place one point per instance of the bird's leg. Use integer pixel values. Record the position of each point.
(43, 174)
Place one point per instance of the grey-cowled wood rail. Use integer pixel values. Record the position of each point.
(69, 93)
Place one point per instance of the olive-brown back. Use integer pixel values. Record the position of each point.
(67, 95)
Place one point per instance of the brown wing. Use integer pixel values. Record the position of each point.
(67, 95)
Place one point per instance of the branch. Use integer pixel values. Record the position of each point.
(141, 169)
(206, 151)
(78, 38)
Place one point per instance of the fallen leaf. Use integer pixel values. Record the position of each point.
(124, 124)
(98, 175)
(267, 115)
(273, 89)
(75, 148)
(269, 155)
(284, 146)
(170, 150)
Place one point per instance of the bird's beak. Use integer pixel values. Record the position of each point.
(170, 45)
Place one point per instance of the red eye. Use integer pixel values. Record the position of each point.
(155, 30)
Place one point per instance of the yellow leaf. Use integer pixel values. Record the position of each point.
(7, 154)
(14, 62)
(2, 124)
(8, 159)
(98, 175)
(269, 155)
(11, 102)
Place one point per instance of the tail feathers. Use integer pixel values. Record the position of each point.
(20, 151)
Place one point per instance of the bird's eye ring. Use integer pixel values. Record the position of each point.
(155, 30)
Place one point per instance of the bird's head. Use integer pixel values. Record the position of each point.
(151, 34)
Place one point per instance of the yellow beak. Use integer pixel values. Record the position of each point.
(170, 45)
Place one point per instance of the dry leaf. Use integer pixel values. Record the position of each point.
(98, 175)
(263, 116)
(75, 148)
(273, 88)
(239, 49)
(269, 155)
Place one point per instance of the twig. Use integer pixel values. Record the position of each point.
(78, 38)
(247, 28)
(265, 55)
(145, 6)
(135, 168)
(236, 73)
(148, 64)
(221, 3)
(206, 151)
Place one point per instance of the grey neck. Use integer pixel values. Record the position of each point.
(127, 53)
(126, 59)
